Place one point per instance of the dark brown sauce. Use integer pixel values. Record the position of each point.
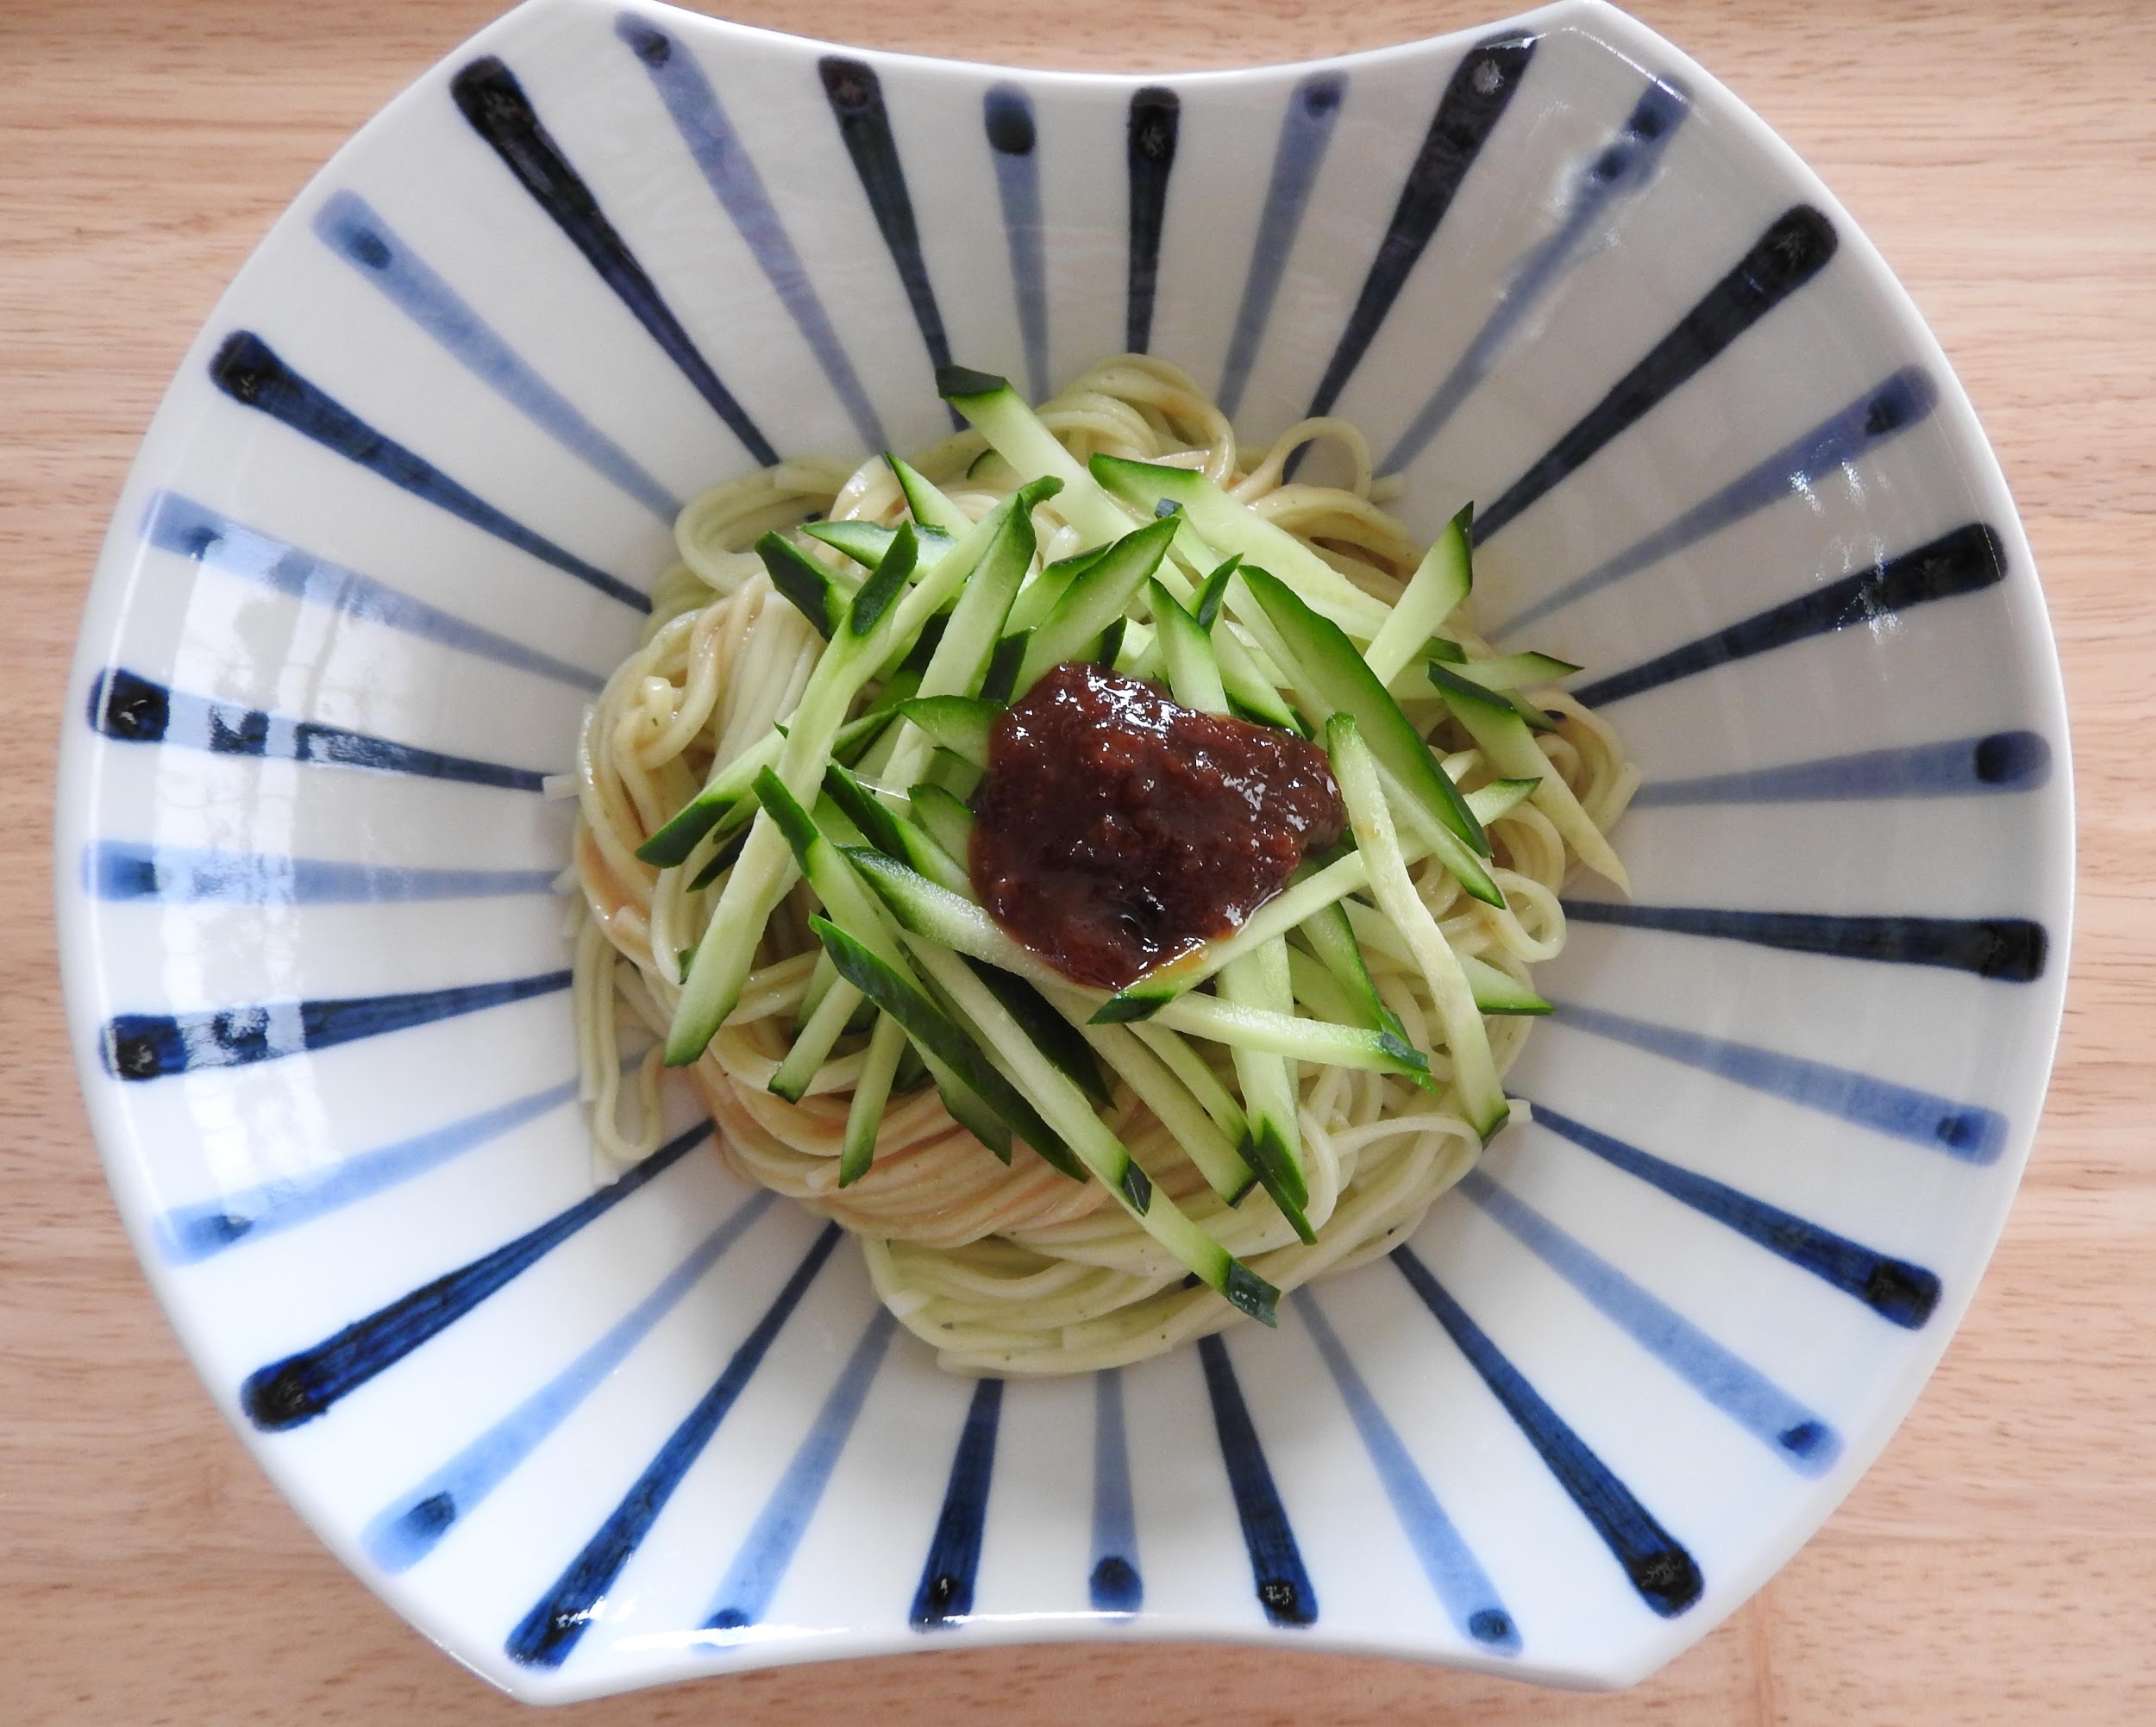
(1116, 829)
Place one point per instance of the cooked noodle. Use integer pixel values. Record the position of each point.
(1017, 1269)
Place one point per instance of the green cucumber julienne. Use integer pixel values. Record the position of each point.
(960, 725)
(1474, 1068)
(1504, 740)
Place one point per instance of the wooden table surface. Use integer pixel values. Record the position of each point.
(1999, 1564)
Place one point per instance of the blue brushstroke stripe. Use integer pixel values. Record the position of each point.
(1799, 1437)
(1283, 1586)
(856, 96)
(1964, 1131)
(744, 1595)
(1305, 128)
(1481, 88)
(174, 524)
(1964, 561)
(1961, 768)
(1114, 1584)
(406, 1531)
(1156, 120)
(2011, 949)
(246, 368)
(945, 1595)
(115, 869)
(348, 225)
(131, 709)
(189, 1234)
(1877, 418)
(1898, 1292)
(1462, 1586)
(149, 1045)
(1665, 1575)
(495, 106)
(731, 173)
(297, 1388)
(1622, 166)
(545, 1635)
(1007, 113)
(1795, 247)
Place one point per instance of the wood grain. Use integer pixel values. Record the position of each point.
(1997, 1566)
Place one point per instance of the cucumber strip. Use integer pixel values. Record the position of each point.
(1511, 672)
(1441, 581)
(999, 413)
(1002, 675)
(822, 981)
(1318, 990)
(811, 589)
(890, 833)
(1206, 610)
(872, 1092)
(1497, 991)
(721, 797)
(1236, 528)
(1193, 675)
(947, 819)
(1474, 1068)
(1536, 719)
(924, 500)
(1241, 1023)
(1108, 647)
(1139, 654)
(1096, 599)
(1066, 1109)
(724, 859)
(954, 774)
(1494, 991)
(1335, 678)
(963, 1104)
(940, 1040)
(1269, 1082)
(1039, 596)
(1504, 740)
(1500, 797)
(1053, 1035)
(866, 542)
(925, 909)
(960, 725)
(1332, 939)
(812, 1044)
(1176, 1109)
(1200, 1080)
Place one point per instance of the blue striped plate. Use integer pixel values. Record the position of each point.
(398, 514)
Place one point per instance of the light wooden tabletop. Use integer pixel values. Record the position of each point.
(1999, 1564)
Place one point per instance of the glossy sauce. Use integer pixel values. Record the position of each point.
(1116, 829)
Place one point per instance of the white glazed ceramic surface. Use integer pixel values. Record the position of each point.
(393, 521)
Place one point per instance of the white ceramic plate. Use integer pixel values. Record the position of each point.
(394, 519)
